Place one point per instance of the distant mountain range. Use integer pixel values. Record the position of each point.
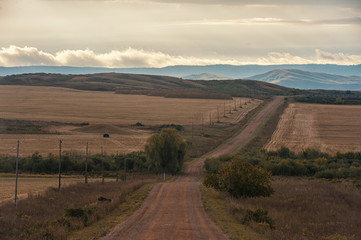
(309, 80)
(304, 80)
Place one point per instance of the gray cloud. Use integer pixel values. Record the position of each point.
(354, 3)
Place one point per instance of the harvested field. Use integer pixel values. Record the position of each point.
(47, 143)
(68, 105)
(31, 185)
(327, 128)
(105, 111)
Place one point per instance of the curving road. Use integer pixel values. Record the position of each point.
(175, 210)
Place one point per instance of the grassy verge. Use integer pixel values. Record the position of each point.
(304, 208)
(301, 208)
(132, 202)
(53, 214)
(217, 207)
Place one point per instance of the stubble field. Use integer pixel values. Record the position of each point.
(327, 128)
(30, 185)
(105, 112)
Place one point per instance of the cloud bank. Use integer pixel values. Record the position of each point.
(130, 57)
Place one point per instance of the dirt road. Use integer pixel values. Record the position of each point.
(175, 210)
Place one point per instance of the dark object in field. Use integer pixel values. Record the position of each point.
(103, 199)
(138, 124)
(106, 135)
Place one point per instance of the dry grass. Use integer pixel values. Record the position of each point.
(106, 112)
(216, 205)
(45, 216)
(309, 209)
(300, 208)
(327, 128)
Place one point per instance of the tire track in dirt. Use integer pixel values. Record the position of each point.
(175, 210)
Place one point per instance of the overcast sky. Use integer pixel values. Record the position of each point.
(158, 33)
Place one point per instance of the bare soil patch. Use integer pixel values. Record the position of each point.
(327, 128)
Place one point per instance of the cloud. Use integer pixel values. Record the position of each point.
(355, 3)
(28, 56)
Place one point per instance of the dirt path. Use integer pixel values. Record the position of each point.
(175, 210)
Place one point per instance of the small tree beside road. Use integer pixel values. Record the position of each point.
(165, 151)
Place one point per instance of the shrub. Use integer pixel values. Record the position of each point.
(258, 216)
(240, 179)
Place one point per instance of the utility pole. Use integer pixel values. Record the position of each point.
(102, 165)
(230, 111)
(86, 164)
(217, 113)
(125, 168)
(192, 130)
(224, 109)
(60, 142)
(210, 119)
(16, 178)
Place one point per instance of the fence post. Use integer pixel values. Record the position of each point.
(16, 178)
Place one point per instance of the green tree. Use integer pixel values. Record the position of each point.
(165, 151)
(240, 179)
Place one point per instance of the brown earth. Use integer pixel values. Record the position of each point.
(175, 210)
(327, 128)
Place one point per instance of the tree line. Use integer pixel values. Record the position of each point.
(164, 152)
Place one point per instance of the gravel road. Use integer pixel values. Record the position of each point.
(175, 210)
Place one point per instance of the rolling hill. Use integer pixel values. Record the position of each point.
(309, 80)
(150, 85)
(231, 71)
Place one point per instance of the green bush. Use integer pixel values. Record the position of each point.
(240, 179)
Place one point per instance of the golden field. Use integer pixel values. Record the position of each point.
(31, 185)
(327, 128)
(106, 112)
(69, 105)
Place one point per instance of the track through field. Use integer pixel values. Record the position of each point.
(175, 210)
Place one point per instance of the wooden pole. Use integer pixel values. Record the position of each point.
(125, 169)
(102, 165)
(86, 164)
(16, 178)
(192, 130)
(60, 142)
(224, 109)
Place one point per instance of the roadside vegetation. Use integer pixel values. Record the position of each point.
(53, 214)
(315, 195)
(300, 203)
